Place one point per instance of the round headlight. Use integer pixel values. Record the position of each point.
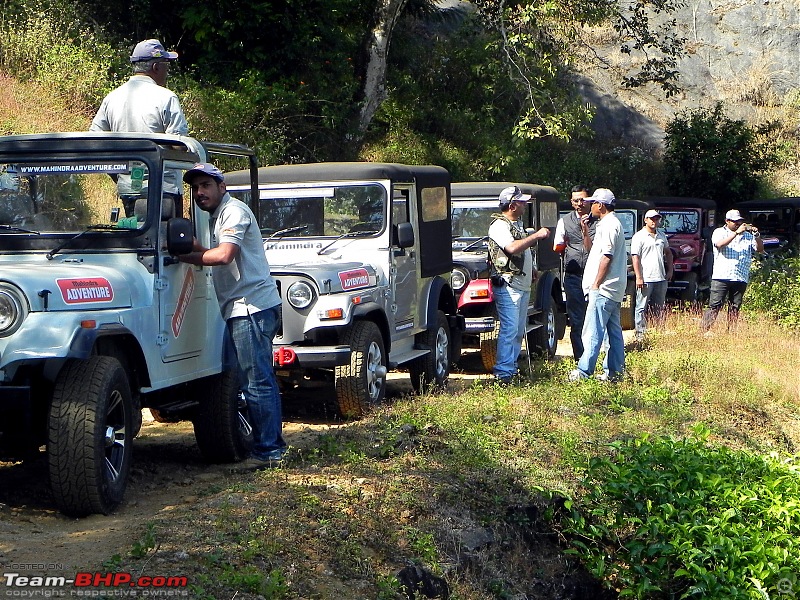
(300, 294)
(458, 279)
(12, 309)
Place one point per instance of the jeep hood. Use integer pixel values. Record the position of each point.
(69, 287)
(331, 277)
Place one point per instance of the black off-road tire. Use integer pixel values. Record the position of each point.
(222, 424)
(90, 435)
(429, 373)
(488, 343)
(361, 385)
(543, 340)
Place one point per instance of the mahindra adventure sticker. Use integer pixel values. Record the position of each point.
(85, 289)
(355, 279)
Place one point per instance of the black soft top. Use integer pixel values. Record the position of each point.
(678, 201)
(492, 189)
(769, 203)
(425, 176)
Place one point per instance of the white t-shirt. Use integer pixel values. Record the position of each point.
(650, 250)
(500, 232)
(609, 240)
(245, 285)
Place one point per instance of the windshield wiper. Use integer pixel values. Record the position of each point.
(57, 249)
(475, 243)
(19, 229)
(282, 232)
(344, 235)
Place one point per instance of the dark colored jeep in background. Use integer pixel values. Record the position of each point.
(473, 206)
(777, 219)
(688, 224)
(362, 259)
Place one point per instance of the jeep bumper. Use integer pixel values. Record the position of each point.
(309, 357)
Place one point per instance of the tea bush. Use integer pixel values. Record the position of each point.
(669, 518)
(775, 290)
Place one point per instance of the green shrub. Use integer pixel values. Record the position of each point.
(668, 518)
(50, 47)
(775, 290)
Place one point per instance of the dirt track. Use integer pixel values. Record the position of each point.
(167, 472)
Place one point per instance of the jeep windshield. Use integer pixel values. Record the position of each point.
(470, 223)
(773, 221)
(680, 221)
(321, 211)
(67, 197)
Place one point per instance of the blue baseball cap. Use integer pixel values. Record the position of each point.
(150, 50)
(203, 169)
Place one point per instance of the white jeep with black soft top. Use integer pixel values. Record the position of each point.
(361, 255)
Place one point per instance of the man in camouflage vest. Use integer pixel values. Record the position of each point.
(513, 274)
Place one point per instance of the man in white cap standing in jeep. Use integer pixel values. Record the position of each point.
(144, 105)
(513, 273)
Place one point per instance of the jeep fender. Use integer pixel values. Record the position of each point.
(370, 311)
(544, 290)
(438, 295)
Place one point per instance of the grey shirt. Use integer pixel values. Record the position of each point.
(140, 105)
(245, 285)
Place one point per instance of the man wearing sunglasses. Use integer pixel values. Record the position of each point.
(734, 244)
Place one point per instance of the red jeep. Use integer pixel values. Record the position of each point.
(688, 224)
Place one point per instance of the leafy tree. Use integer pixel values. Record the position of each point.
(711, 156)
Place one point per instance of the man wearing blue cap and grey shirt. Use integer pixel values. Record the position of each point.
(249, 302)
(512, 275)
(605, 278)
(144, 105)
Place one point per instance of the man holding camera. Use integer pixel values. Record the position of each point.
(512, 275)
(734, 244)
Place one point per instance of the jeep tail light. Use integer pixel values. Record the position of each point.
(331, 313)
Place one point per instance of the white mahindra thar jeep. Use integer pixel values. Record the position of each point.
(98, 318)
(362, 256)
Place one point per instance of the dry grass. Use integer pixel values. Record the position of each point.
(29, 108)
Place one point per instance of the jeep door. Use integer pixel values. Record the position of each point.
(405, 280)
(184, 290)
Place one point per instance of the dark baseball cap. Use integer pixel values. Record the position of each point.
(203, 169)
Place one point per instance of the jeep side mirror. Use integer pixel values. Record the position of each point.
(405, 235)
(179, 236)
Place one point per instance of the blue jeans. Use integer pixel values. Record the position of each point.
(602, 318)
(252, 343)
(512, 311)
(576, 311)
(650, 302)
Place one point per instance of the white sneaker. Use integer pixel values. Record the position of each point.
(576, 375)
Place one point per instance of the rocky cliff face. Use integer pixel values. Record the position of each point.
(745, 53)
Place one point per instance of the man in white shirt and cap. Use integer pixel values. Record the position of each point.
(734, 244)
